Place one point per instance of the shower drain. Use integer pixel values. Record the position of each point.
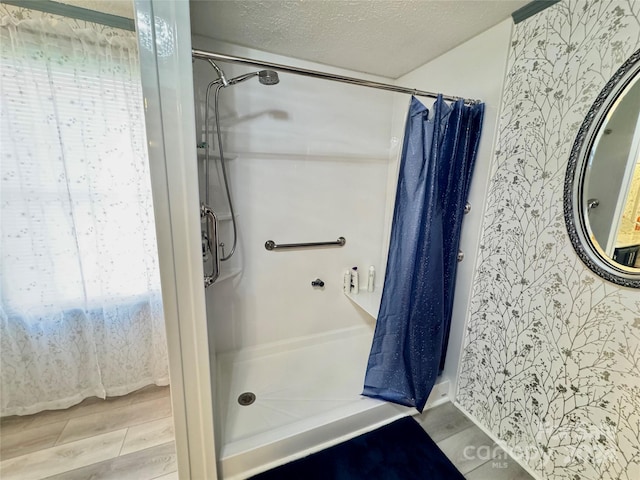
(246, 398)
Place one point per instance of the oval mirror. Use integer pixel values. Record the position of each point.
(602, 185)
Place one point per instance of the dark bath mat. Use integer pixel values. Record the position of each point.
(401, 450)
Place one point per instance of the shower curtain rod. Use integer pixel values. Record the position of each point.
(202, 54)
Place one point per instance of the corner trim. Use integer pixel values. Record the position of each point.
(530, 9)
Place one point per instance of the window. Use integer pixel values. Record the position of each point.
(81, 313)
(77, 218)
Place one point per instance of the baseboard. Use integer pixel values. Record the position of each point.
(498, 441)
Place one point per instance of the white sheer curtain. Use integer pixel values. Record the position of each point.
(81, 312)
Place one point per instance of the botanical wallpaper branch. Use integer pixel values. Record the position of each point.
(551, 361)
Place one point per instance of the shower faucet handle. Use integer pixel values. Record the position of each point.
(317, 283)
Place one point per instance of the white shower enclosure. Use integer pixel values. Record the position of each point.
(308, 161)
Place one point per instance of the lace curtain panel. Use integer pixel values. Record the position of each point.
(81, 312)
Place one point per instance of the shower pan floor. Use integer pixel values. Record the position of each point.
(307, 396)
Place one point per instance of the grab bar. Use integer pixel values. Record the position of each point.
(271, 245)
(212, 221)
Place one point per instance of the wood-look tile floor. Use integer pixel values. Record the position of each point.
(127, 437)
(131, 437)
(473, 452)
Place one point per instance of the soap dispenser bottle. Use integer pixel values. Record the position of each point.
(371, 279)
(354, 281)
(346, 285)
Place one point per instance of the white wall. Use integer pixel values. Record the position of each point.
(309, 161)
(475, 69)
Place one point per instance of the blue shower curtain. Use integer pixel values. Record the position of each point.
(412, 329)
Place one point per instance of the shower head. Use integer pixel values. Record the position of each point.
(268, 77)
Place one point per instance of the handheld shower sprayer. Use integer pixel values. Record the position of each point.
(265, 77)
(268, 77)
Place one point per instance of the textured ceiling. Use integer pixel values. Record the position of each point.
(383, 37)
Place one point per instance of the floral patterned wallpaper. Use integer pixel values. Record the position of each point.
(551, 360)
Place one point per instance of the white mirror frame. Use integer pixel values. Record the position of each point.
(575, 209)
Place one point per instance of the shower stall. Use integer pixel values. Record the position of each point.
(299, 160)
